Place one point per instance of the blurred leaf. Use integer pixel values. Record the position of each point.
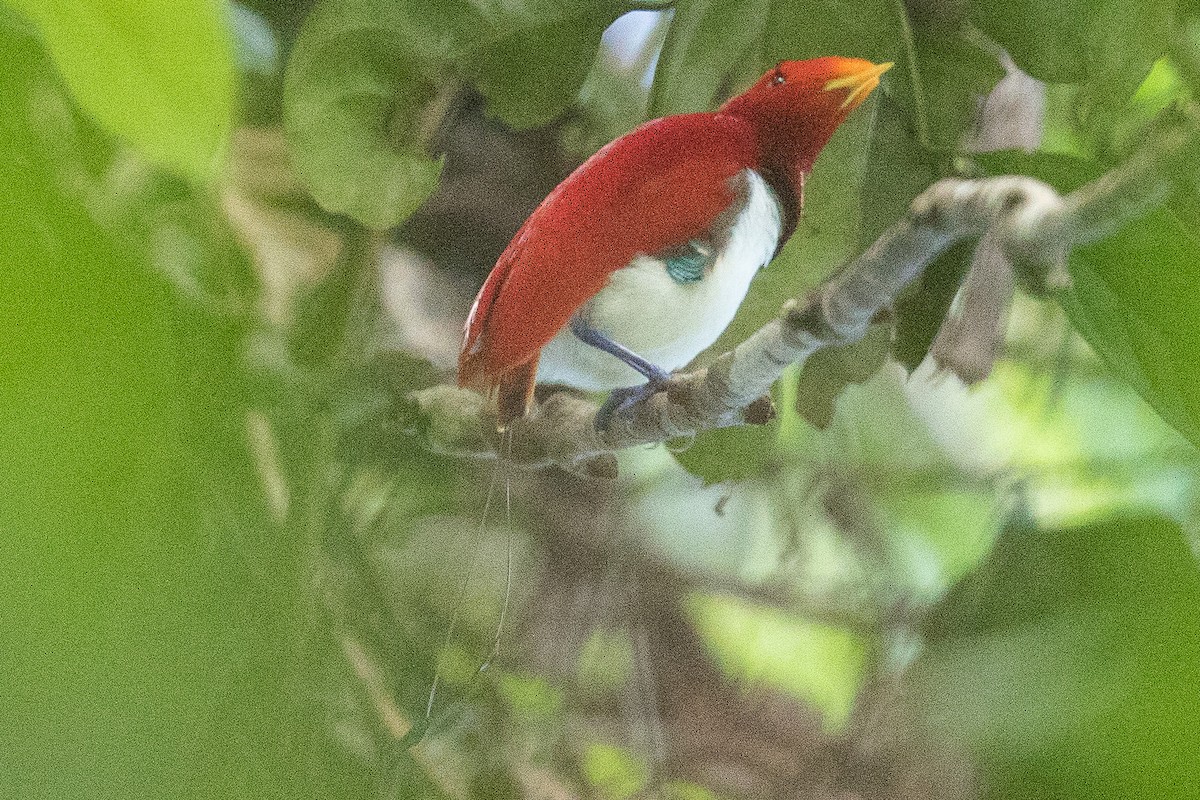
(357, 87)
(683, 790)
(611, 103)
(818, 664)
(154, 633)
(615, 772)
(158, 74)
(898, 168)
(530, 695)
(922, 308)
(1046, 39)
(605, 663)
(956, 73)
(812, 28)
(1134, 299)
(829, 370)
(535, 55)
(1109, 45)
(326, 330)
(1069, 662)
(705, 40)
(730, 454)
(897, 482)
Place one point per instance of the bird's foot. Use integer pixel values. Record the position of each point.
(621, 400)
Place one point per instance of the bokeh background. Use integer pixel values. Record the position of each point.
(235, 237)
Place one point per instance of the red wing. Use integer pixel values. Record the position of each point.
(659, 186)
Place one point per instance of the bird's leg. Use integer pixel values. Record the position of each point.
(620, 399)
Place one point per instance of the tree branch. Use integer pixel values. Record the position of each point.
(1032, 224)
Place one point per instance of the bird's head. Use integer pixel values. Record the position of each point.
(796, 106)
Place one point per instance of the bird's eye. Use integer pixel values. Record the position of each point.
(778, 79)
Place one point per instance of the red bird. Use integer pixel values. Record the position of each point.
(639, 260)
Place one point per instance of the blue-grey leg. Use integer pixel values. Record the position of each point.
(620, 399)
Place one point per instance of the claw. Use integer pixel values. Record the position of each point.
(621, 400)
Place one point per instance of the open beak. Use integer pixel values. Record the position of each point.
(860, 83)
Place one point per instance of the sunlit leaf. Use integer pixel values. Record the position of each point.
(159, 74)
(614, 772)
(819, 664)
(149, 651)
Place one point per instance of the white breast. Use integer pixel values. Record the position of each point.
(666, 322)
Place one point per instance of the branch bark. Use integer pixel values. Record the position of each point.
(1029, 221)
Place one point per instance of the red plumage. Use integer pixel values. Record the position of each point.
(661, 185)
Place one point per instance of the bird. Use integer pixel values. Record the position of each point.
(640, 258)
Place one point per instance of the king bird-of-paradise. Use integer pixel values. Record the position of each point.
(639, 260)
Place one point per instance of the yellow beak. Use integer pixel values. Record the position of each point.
(860, 83)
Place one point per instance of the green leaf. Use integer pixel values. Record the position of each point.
(831, 369)
(1110, 45)
(900, 168)
(705, 41)
(535, 56)
(808, 29)
(955, 72)
(158, 74)
(1046, 39)
(922, 307)
(357, 88)
(730, 454)
(1134, 299)
(1068, 662)
(614, 771)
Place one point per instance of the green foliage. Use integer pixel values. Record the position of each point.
(368, 80)
(358, 81)
(614, 772)
(159, 74)
(831, 370)
(605, 662)
(729, 454)
(150, 633)
(526, 90)
(1134, 300)
(704, 44)
(921, 310)
(1109, 45)
(1070, 660)
(232, 570)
